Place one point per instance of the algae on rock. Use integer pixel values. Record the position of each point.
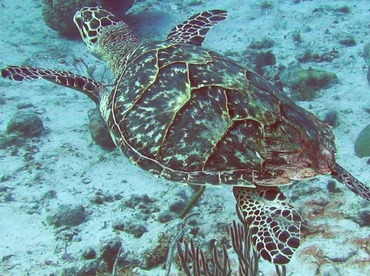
(58, 14)
(306, 83)
(99, 130)
(362, 145)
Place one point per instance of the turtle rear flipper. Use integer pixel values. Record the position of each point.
(343, 176)
(194, 30)
(274, 224)
(86, 85)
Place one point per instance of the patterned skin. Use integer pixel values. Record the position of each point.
(191, 115)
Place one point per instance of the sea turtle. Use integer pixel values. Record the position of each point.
(191, 115)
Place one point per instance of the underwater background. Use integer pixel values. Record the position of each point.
(69, 205)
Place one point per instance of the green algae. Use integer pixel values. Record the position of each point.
(306, 83)
(362, 145)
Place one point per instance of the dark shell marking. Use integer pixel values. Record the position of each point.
(191, 115)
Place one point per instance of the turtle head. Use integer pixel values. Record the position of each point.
(105, 35)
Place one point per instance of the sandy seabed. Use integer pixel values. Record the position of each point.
(67, 162)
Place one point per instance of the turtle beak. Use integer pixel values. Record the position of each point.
(77, 19)
(82, 20)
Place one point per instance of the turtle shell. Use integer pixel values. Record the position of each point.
(191, 115)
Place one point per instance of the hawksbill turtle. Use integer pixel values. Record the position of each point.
(191, 115)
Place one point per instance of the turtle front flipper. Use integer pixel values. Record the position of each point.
(351, 182)
(194, 30)
(274, 224)
(86, 85)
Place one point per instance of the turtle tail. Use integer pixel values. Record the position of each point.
(351, 182)
(86, 85)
